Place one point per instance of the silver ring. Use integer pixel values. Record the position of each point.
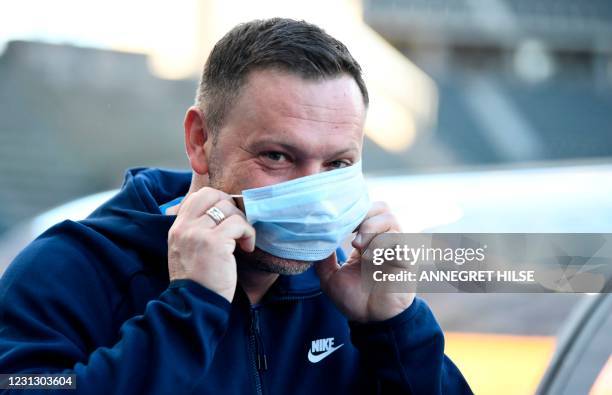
(216, 214)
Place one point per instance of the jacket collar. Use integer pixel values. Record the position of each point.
(132, 219)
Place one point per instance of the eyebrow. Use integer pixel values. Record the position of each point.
(295, 150)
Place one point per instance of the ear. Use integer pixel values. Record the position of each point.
(196, 136)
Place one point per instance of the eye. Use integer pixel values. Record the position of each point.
(338, 164)
(274, 156)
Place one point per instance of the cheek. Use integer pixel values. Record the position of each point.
(248, 175)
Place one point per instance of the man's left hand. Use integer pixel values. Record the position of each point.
(343, 283)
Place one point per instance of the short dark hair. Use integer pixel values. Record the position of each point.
(297, 47)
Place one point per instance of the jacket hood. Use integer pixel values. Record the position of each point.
(132, 220)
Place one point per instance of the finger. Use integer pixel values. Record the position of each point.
(376, 208)
(196, 204)
(327, 267)
(236, 227)
(227, 208)
(373, 226)
(354, 257)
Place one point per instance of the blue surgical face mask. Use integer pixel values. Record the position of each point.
(308, 218)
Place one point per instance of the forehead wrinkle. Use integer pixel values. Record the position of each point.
(352, 122)
(318, 112)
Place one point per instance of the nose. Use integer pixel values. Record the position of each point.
(307, 169)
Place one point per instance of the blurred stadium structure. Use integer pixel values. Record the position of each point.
(497, 82)
(518, 80)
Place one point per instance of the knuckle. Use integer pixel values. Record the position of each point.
(366, 228)
(205, 192)
(189, 236)
(234, 220)
(207, 240)
(182, 236)
(228, 208)
(382, 205)
(238, 221)
(189, 199)
(389, 217)
(228, 200)
(392, 219)
(175, 232)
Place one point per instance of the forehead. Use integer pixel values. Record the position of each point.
(323, 114)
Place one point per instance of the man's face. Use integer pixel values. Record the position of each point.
(283, 127)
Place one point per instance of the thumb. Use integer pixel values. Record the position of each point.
(327, 267)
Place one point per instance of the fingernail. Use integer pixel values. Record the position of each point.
(357, 239)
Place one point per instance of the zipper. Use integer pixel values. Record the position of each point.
(292, 298)
(259, 358)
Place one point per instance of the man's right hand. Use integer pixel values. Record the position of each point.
(201, 250)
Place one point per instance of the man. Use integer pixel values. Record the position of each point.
(173, 287)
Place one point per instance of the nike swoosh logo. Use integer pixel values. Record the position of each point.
(316, 358)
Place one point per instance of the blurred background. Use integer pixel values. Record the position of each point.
(89, 88)
(500, 109)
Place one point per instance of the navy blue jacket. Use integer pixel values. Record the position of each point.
(93, 298)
